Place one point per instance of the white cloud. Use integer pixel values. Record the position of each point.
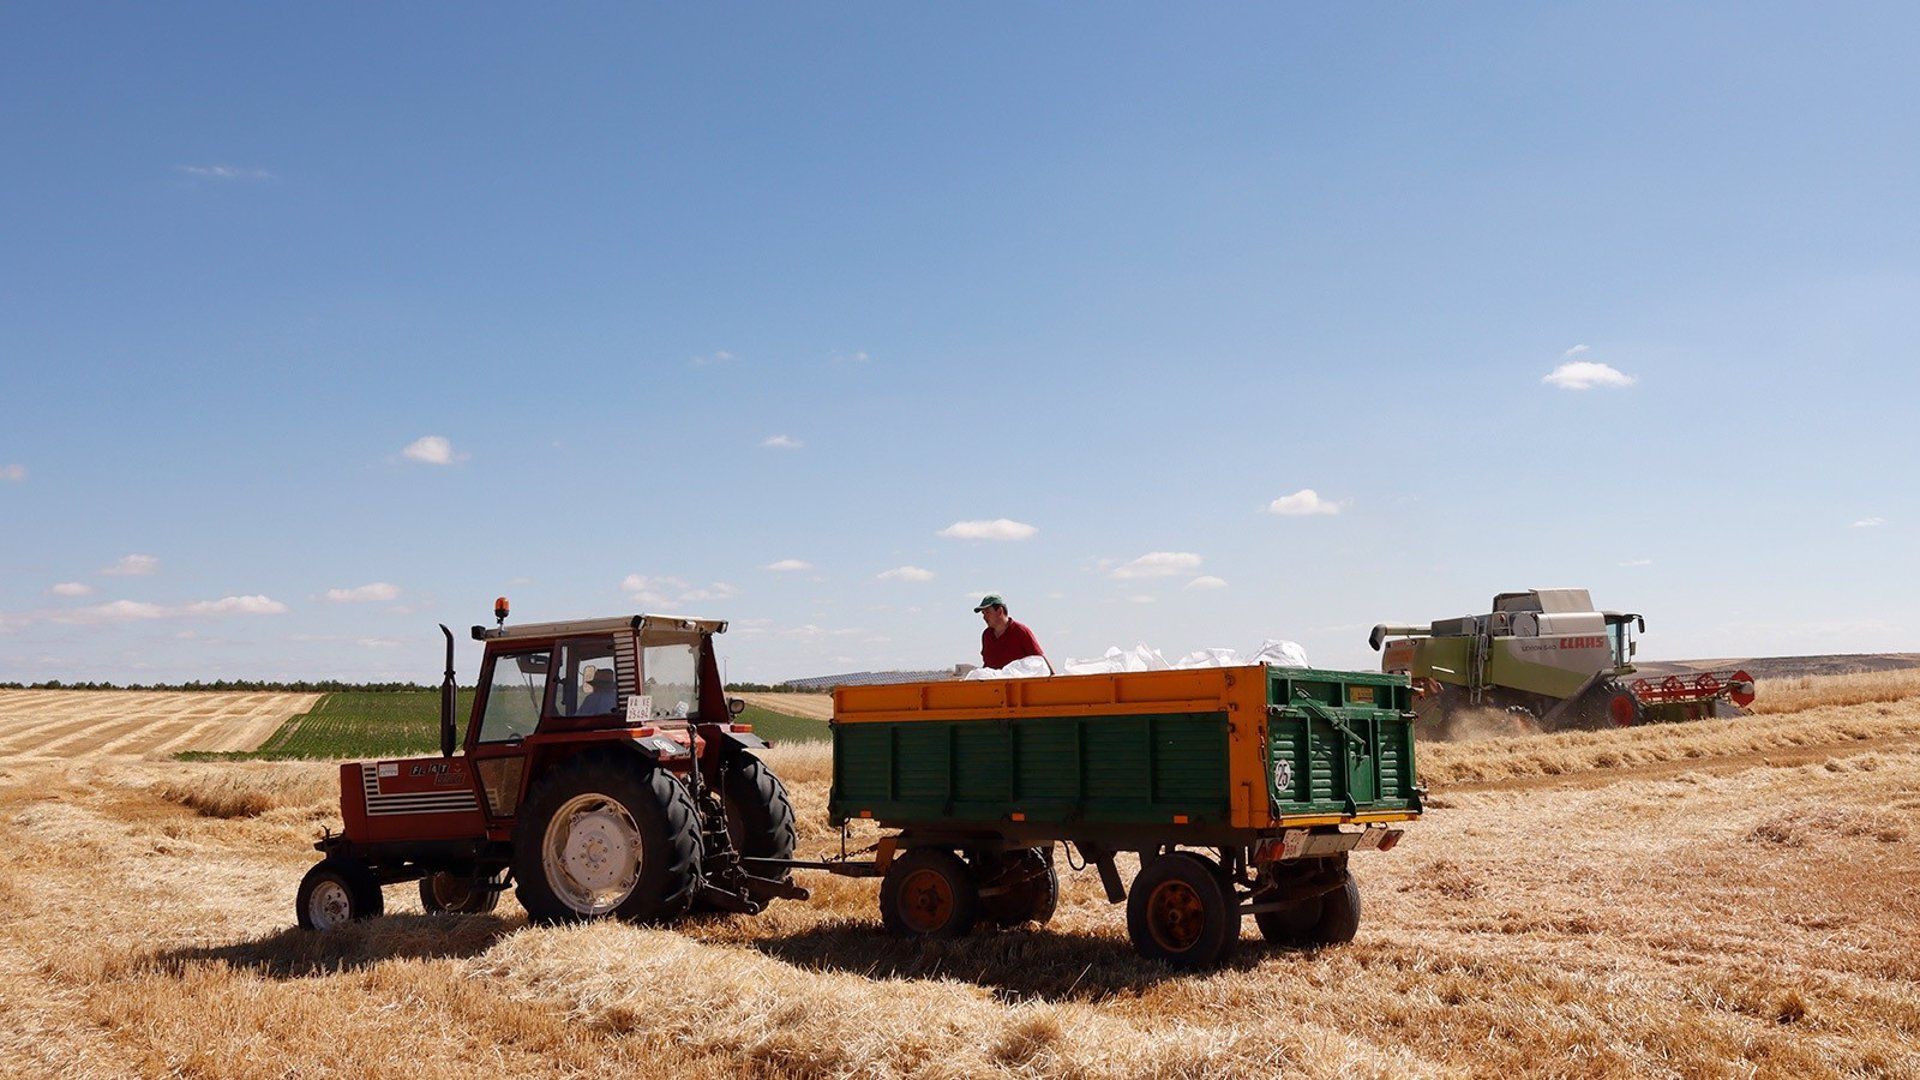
(113, 611)
(781, 442)
(133, 566)
(1140, 599)
(672, 592)
(996, 529)
(788, 566)
(1302, 503)
(1869, 523)
(718, 356)
(72, 588)
(13, 474)
(379, 643)
(851, 358)
(236, 605)
(1158, 564)
(1637, 562)
(432, 450)
(360, 594)
(1575, 373)
(1207, 581)
(224, 172)
(905, 573)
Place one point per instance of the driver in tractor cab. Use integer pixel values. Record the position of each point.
(600, 698)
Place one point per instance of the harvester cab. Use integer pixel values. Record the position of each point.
(602, 771)
(1546, 659)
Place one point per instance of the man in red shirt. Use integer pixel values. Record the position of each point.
(1004, 641)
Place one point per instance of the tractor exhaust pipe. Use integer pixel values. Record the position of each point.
(447, 690)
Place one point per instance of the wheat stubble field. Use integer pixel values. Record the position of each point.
(74, 724)
(1729, 898)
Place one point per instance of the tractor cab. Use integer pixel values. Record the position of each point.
(601, 771)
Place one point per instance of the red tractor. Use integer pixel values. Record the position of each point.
(602, 774)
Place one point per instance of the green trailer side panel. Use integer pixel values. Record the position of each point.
(1099, 770)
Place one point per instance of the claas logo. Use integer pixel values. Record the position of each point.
(1597, 642)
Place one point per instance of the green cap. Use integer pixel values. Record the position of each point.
(992, 599)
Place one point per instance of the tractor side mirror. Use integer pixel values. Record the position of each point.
(448, 691)
(735, 706)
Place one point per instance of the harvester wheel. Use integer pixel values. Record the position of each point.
(759, 814)
(338, 891)
(445, 893)
(605, 835)
(1033, 892)
(1181, 910)
(928, 893)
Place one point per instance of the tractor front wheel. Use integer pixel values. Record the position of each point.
(928, 892)
(338, 891)
(445, 893)
(605, 835)
(1181, 910)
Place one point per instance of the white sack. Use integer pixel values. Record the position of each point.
(1276, 653)
(1027, 667)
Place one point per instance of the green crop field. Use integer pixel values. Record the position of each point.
(356, 724)
(781, 728)
(406, 723)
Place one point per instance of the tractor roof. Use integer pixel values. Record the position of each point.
(637, 623)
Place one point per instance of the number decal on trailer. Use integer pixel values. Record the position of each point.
(1283, 775)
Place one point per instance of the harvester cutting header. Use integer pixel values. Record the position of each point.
(1551, 660)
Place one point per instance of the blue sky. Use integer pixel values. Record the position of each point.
(679, 296)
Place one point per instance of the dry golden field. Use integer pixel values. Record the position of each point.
(811, 706)
(68, 724)
(1731, 898)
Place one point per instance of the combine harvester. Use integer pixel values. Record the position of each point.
(1550, 661)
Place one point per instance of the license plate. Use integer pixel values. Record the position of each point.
(1360, 695)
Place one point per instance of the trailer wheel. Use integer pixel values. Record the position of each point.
(1033, 892)
(1292, 925)
(1339, 914)
(338, 891)
(445, 893)
(607, 836)
(1180, 910)
(928, 893)
(1331, 918)
(759, 815)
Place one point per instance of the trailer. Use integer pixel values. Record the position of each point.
(1241, 790)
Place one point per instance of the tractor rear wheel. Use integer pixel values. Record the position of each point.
(1025, 889)
(759, 815)
(446, 893)
(928, 892)
(605, 835)
(338, 891)
(1182, 911)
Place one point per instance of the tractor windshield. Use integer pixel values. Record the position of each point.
(515, 691)
(670, 675)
